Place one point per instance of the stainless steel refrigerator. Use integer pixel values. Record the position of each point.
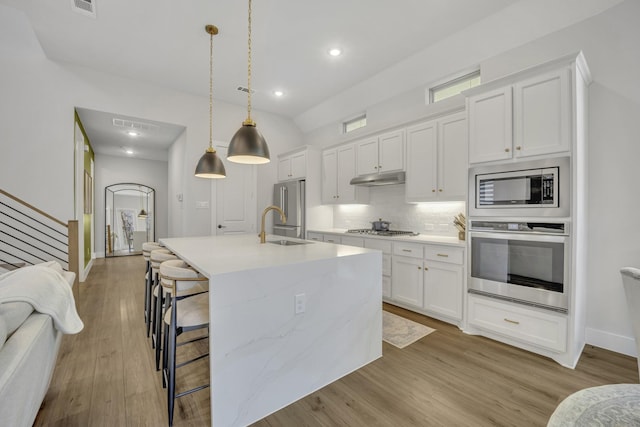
(289, 196)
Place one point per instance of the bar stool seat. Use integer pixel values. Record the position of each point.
(147, 247)
(158, 256)
(187, 310)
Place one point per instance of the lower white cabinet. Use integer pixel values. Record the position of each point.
(423, 277)
(540, 328)
(443, 289)
(407, 281)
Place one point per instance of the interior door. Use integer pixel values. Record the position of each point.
(235, 198)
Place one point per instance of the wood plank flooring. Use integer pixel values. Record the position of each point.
(105, 376)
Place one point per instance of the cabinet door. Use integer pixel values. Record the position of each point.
(391, 151)
(352, 241)
(284, 169)
(490, 128)
(453, 161)
(422, 160)
(407, 281)
(329, 175)
(298, 165)
(443, 289)
(345, 171)
(542, 114)
(367, 158)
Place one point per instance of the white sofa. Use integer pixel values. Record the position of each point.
(29, 344)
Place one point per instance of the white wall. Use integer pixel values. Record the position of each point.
(609, 42)
(36, 109)
(114, 170)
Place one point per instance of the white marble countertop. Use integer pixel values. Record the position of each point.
(421, 238)
(213, 255)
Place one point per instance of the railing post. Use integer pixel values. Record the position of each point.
(74, 256)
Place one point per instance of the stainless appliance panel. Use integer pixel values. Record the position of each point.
(290, 197)
(532, 268)
(538, 188)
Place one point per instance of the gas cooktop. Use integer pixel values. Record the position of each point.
(381, 233)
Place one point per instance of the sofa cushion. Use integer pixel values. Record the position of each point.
(3, 332)
(14, 314)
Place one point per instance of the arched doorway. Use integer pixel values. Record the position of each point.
(129, 218)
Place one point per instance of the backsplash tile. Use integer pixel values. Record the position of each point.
(387, 202)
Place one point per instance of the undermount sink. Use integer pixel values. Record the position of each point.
(287, 242)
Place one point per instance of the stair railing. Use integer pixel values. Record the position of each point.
(30, 236)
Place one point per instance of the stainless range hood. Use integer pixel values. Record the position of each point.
(376, 179)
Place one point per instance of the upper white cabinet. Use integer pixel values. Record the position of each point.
(383, 153)
(292, 166)
(338, 168)
(437, 160)
(528, 118)
(490, 125)
(542, 114)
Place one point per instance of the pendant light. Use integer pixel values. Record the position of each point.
(210, 165)
(248, 144)
(143, 213)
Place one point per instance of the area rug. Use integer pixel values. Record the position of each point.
(401, 332)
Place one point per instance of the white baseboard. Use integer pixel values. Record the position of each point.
(613, 342)
(85, 272)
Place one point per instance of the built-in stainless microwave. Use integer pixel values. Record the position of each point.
(523, 189)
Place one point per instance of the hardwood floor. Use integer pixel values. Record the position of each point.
(106, 375)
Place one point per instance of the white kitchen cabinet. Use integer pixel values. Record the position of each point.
(292, 166)
(443, 289)
(542, 114)
(407, 280)
(383, 153)
(352, 241)
(315, 236)
(437, 160)
(490, 125)
(541, 328)
(331, 238)
(530, 117)
(338, 168)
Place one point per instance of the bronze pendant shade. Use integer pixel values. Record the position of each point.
(210, 165)
(248, 145)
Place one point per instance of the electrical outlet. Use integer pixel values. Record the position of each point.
(300, 303)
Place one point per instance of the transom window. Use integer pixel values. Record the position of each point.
(454, 87)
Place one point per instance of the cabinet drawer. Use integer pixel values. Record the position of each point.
(352, 241)
(413, 250)
(315, 236)
(443, 254)
(539, 328)
(330, 238)
(381, 245)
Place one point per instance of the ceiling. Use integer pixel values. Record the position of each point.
(164, 42)
(109, 134)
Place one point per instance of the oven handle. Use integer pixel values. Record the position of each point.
(532, 237)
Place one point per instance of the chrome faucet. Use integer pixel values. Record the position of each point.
(283, 217)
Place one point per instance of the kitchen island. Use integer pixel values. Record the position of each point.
(285, 319)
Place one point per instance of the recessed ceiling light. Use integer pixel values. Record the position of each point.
(129, 151)
(132, 133)
(335, 51)
(278, 93)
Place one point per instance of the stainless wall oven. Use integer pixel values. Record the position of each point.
(525, 262)
(523, 189)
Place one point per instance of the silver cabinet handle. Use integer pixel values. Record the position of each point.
(515, 322)
(506, 150)
(406, 250)
(444, 255)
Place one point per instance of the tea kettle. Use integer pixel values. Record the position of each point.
(380, 225)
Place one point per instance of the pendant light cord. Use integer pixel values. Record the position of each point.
(211, 95)
(249, 121)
